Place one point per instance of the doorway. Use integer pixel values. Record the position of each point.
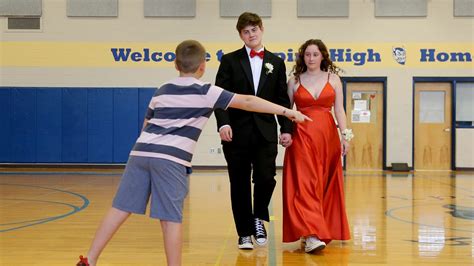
(432, 126)
(365, 102)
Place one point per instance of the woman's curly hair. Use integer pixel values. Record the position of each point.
(326, 63)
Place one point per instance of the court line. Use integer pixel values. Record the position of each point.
(42, 221)
(390, 214)
(271, 241)
(271, 246)
(447, 184)
(414, 175)
(221, 252)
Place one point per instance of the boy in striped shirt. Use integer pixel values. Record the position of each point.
(160, 161)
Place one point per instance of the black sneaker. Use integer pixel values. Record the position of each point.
(245, 242)
(260, 233)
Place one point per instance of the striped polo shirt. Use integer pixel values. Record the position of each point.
(177, 113)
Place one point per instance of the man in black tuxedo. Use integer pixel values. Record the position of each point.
(250, 139)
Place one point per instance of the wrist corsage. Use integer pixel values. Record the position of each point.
(347, 134)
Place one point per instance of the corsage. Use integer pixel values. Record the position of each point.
(347, 134)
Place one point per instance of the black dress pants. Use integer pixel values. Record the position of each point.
(250, 161)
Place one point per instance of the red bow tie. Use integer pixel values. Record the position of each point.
(253, 53)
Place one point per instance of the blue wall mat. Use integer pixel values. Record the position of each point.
(23, 125)
(49, 125)
(70, 125)
(144, 98)
(74, 125)
(5, 124)
(125, 122)
(100, 125)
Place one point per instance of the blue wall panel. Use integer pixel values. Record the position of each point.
(144, 98)
(70, 125)
(5, 119)
(23, 131)
(74, 125)
(125, 122)
(49, 124)
(100, 125)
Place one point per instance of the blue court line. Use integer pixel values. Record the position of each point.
(390, 211)
(75, 208)
(48, 219)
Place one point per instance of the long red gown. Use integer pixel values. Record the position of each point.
(313, 194)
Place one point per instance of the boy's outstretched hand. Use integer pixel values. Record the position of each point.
(296, 116)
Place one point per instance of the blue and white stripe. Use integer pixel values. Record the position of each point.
(177, 113)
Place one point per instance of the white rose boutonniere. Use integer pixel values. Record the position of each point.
(269, 68)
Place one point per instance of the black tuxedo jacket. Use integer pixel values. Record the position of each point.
(235, 75)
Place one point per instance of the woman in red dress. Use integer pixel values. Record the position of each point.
(313, 195)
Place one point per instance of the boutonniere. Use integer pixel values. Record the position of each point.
(269, 68)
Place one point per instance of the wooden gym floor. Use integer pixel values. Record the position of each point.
(49, 216)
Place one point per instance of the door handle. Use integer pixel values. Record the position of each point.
(447, 129)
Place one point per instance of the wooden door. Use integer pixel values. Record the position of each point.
(432, 126)
(364, 109)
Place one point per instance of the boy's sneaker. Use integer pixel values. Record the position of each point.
(260, 233)
(313, 244)
(82, 261)
(245, 242)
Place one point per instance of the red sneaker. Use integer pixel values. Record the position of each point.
(82, 262)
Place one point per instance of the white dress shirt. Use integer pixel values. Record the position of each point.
(256, 66)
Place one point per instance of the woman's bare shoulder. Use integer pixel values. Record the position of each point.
(293, 83)
(335, 80)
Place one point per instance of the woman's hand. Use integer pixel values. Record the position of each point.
(285, 140)
(345, 147)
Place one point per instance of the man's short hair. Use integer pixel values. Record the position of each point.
(248, 19)
(189, 55)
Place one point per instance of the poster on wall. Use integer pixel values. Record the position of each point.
(356, 95)
(360, 105)
(360, 116)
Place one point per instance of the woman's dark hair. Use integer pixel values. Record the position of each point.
(326, 63)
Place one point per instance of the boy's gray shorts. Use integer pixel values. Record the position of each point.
(166, 181)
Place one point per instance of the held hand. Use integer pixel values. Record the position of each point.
(285, 140)
(297, 116)
(345, 147)
(226, 134)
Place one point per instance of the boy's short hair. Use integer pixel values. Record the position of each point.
(248, 19)
(189, 55)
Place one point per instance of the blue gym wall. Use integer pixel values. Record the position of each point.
(70, 125)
